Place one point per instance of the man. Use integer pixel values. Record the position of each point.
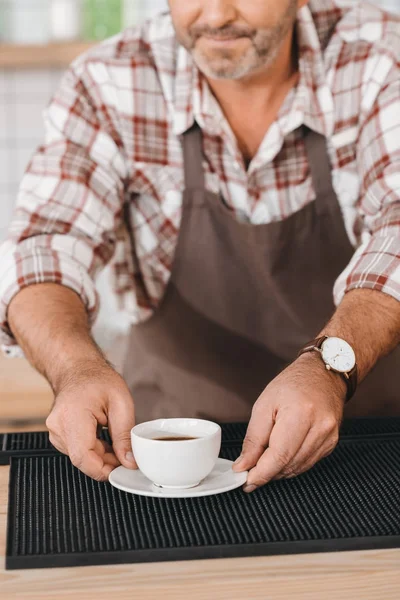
(250, 154)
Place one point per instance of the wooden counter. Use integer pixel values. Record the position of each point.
(25, 396)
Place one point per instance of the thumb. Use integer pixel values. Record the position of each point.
(255, 442)
(121, 419)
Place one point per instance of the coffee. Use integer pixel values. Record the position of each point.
(175, 439)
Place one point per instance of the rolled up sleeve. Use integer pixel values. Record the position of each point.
(376, 262)
(69, 204)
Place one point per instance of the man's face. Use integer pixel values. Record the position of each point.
(229, 39)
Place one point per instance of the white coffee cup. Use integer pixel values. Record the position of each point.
(176, 464)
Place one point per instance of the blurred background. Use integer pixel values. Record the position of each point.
(38, 40)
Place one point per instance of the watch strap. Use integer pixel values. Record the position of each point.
(351, 380)
(314, 344)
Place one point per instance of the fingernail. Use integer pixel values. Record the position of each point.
(249, 488)
(129, 456)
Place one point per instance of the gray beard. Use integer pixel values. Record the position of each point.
(232, 71)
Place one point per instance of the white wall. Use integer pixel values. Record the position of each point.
(393, 5)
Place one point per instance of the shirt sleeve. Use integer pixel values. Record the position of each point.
(69, 204)
(376, 262)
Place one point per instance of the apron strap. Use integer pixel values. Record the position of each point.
(193, 159)
(317, 153)
(320, 165)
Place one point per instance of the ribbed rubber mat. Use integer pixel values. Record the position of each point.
(370, 426)
(18, 444)
(361, 426)
(59, 517)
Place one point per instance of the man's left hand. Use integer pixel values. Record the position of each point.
(294, 423)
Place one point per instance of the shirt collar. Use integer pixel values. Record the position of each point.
(312, 103)
(314, 98)
(186, 78)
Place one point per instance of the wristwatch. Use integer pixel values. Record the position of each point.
(338, 357)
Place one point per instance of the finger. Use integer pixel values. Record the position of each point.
(112, 460)
(287, 437)
(322, 451)
(58, 443)
(121, 419)
(255, 442)
(297, 467)
(306, 466)
(84, 449)
(106, 452)
(104, 446)
(314, 447)
(312, 444)
(95, 467)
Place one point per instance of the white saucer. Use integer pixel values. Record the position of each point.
(221, 479)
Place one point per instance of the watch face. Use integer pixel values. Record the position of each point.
(338, 354)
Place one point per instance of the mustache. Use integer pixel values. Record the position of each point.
(228, 31)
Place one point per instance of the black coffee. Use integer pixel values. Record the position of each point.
(174, 439)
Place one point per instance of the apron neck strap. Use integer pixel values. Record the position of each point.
(319, 163)
(193, 158)
(316, 147)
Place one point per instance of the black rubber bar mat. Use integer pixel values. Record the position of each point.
(36, 442)
(59, 517)
(19, 444)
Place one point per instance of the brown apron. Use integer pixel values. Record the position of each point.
(241, 301)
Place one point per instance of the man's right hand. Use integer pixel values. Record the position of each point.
(93, 395)
(50, 323)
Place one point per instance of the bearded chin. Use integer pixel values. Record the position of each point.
(227, 66)
(223, 67)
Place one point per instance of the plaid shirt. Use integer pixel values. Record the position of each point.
(112, 135)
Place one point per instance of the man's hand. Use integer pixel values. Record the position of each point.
(295, 422)
(50, 323)
(92, 395)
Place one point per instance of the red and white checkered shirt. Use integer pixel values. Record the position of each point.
(112, 133)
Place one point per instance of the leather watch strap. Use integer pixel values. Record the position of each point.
(314, 344)
(350, 378)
